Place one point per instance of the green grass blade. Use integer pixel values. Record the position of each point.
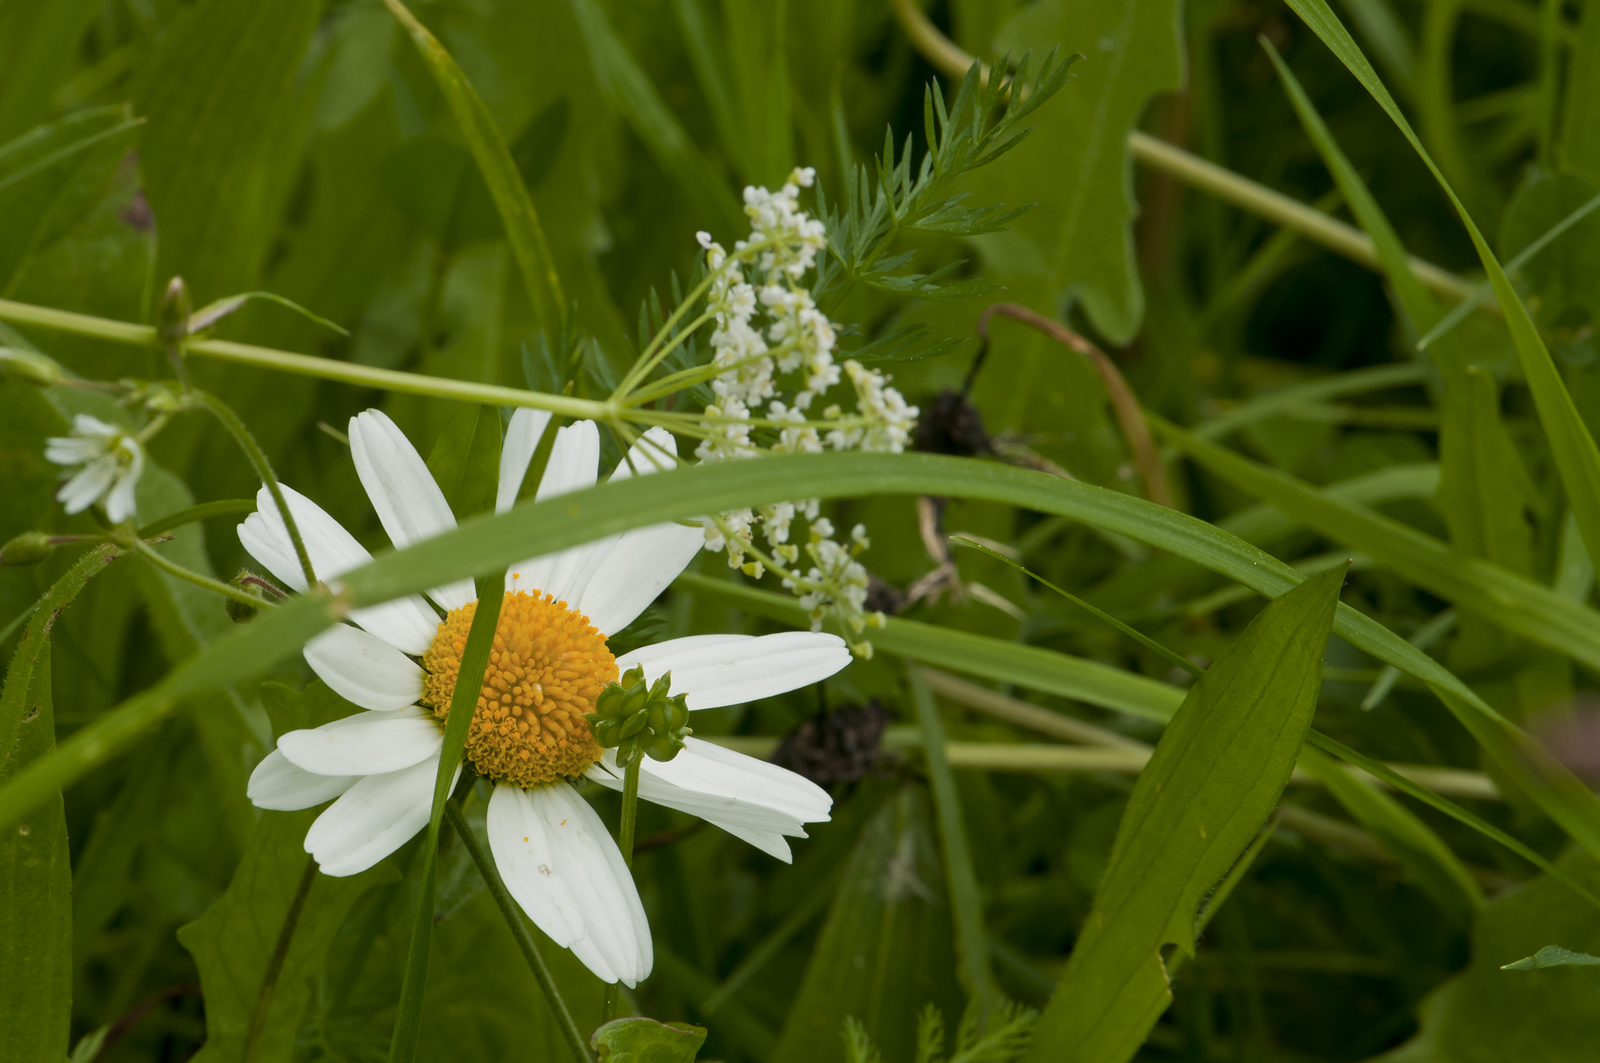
(966, 901)
(1514, 602)
(488, 543)
(499, 171)
(1214, 778)
(1576, 456)
(227, 507)
(463, 700)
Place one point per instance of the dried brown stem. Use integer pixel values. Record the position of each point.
(1146, 458)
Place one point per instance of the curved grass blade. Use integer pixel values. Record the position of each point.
(227, 507)
(1100, 614)
(499, 171)
(1576, 456)
(485, 544)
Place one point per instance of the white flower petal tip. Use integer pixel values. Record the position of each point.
(560, 864)
(279, 785)
(410, 505)
(732, 670)
(522, 438)
(364, 669)
(368, 743)
(375, 817)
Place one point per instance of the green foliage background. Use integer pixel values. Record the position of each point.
(305, 148)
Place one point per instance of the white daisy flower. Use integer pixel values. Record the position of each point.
(530, 733)
(112, 460)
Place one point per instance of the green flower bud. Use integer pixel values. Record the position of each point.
(30, 367)
(636, 720)
(250, 584)
(29, 548)
(172, 316)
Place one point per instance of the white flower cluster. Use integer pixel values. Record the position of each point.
(111, 461)
(767, 327)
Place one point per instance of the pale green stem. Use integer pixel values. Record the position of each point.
(306, 365)
(142, 549)
(644, 366)
(1242, 192)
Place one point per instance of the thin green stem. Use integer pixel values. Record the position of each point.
(519, 932)
(280, 952)
(678, 337)
(227, 507)
(630, 821)
(303, 364)
(140, 547)
(263, 467)
(1138, 636)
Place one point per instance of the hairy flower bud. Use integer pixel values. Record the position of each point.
(172, 316)
(29, 548)
(249, 583)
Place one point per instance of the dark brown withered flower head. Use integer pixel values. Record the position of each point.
(840, 746)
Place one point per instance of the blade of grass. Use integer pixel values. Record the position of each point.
(966, 900)
(1576, 456)
(499, 171)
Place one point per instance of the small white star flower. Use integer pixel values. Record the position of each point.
(111, 461)
(530, 734)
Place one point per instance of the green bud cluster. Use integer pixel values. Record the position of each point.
(636, 720)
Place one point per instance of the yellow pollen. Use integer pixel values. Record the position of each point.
(546, 669)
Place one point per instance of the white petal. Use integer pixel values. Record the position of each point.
(405, 623)
(85, 425)
(739, 669)
(364, 669)
(409, 503)
(656, 451)
(616, 940)
(762, 826)
(120, 504)
(368, 743)
(529, 865)
(80, 492)
(522, 439)
(574, 463)
(279, 784)
(374, 818)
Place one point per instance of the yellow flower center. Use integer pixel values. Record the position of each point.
(546, 669)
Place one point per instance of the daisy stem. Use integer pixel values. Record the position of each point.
(519, 931)
(630, 822)
(140, 547)
(263, 467)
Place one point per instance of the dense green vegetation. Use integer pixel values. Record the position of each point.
(1217, 646)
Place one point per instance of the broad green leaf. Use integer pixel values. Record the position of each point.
(486, 544)
(38, 43)
(961, 880)
(1580, 132)
(259, 945)
(499, 170)
(641, 1040)
(51, 177)
(1486, 1014)
(35, 875)
(1576, 456)
(262, 942)
(628, 88)
(1076, 245)
(465, 462)
(1214, 778)
(220, 149)
(885, 951)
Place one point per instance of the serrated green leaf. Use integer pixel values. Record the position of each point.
(1077, 244)
(641, 1040)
